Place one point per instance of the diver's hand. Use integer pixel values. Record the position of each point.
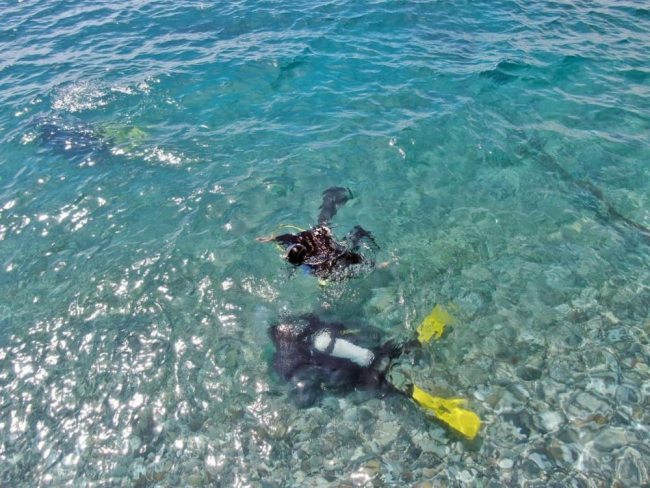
(265, 239)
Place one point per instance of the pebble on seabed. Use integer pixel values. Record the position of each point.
(550, 421)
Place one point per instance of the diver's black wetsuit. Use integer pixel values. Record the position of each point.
(317, 248)
(314, 356)
(72, 140)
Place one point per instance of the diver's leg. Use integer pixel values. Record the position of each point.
(265, 239)
(333, 199)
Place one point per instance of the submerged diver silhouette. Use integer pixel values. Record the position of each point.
(316, 356)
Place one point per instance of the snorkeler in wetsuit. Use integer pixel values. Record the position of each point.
(317, 248)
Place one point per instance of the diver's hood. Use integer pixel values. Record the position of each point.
(296, 254)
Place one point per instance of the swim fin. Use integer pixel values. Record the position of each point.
(333, 199)
(123, 137)
(434, 324)
(449, 411)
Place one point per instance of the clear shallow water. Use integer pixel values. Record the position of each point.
(134, 300)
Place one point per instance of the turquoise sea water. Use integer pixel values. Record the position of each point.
(145, 144)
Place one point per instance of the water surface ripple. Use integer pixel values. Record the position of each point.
(145, 144)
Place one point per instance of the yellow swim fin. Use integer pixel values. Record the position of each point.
(434, 324)
(450, 412)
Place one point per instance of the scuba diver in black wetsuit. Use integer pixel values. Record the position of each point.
(317, 249)
(78, 140)
(316, 356)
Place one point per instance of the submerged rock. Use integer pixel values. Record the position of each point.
(134, 444)
(549, 421)
(529, 373)
(585, 405)
(367, 472)
(631, 470)
(382, 300)
(561, 454)
(610, 439)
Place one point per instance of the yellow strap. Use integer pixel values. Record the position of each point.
(284, 226)
(450, 412)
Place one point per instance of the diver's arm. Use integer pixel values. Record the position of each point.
(265, 239)
(285, 239)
